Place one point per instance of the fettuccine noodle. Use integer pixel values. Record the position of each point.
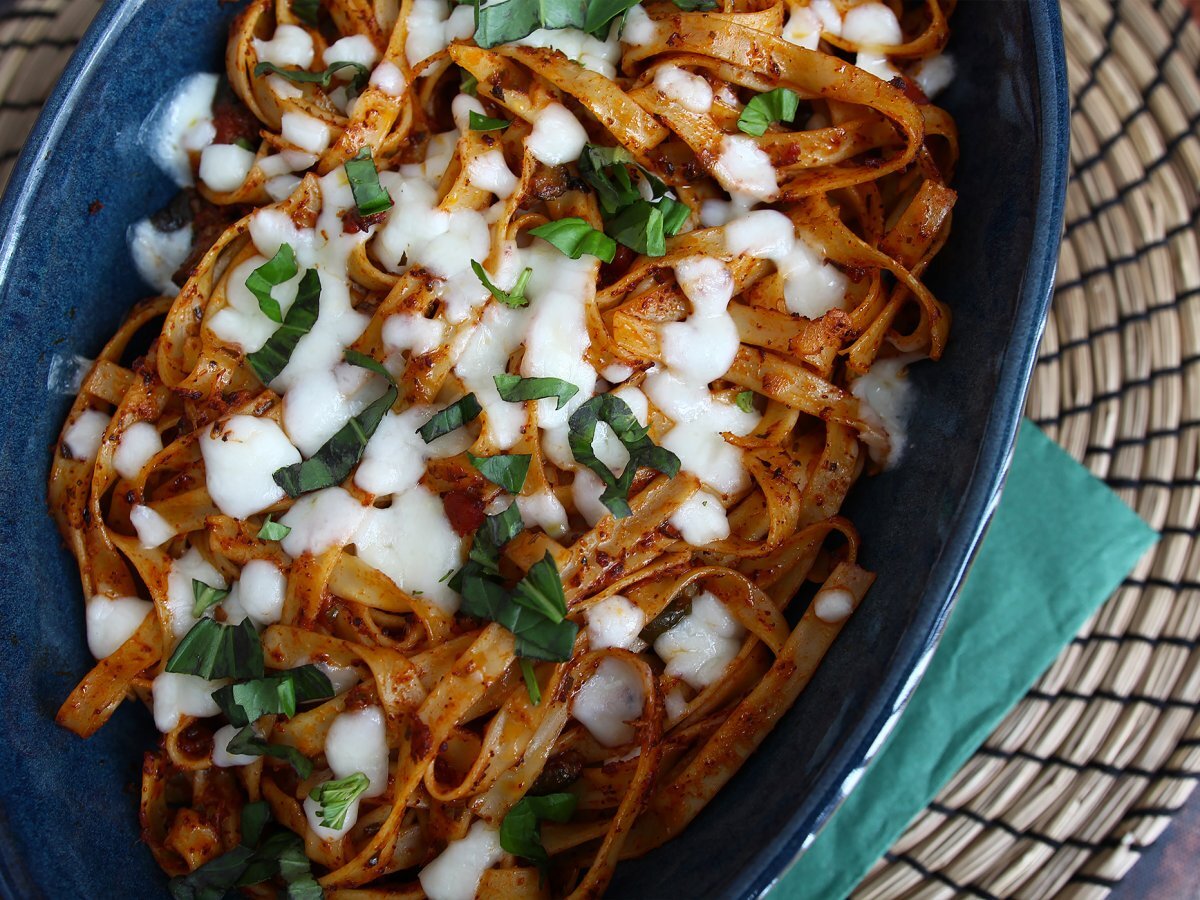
(514, 628)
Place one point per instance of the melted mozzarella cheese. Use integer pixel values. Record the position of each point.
(388, 78)
(412, 332)
(872, 25)
(489, 172)
(221, 756)
(456, 872)
(111, 621)
(701, 519)
(413, 543)
(181, 124)
(157, 254)
(608, 701)
(223, 167)
(395, 457)
(320, 402)
(743, 168)
(703, 643)
(833, 605)
(320, 520)
(290, 45)
(137, 446)
(176, 696)
(585, 495)
(702, 347)
(544, 510)
(935, 74)
(305, 132)
(887, 394)
(432, 26)
(615, 622)
(811, 287)
(803, 28)
(180, 597)
(357, 48)
(486, 353)
(692, 92)
(578, 46)
(557, 136)
(153, 530)
(259, 592)
(82, 439)
(640, 29)
(240, 456)
(357, 742)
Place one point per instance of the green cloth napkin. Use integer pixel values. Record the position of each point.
(1059, 545)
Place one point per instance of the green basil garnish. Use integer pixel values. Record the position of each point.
(516, 389)
(514, 299)
(520, 830)
(324, 78)
(335, 797)
(273, 531)
(369, 196)
(274, 272)
(273, 695)
(212, 650)
(476, 122)
(273, 358)
(575, 237)
(764, 110)
(456, 415)
(204, 596)
(506, 470)
(745, 401)
(247, 743)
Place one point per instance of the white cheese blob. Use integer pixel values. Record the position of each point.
(608, 701)
(872, 25)
(432, 26)
(356, 48)
(701, 519)
(935, 74)
(829, 14)
(702, 347)
(240, 456)
(707, 455)
(157, 255)
(395, 457)
(803, 28)
(743, 168)
(321, 401)
(557, 136)
(111, 621)
(887, 393)
(305, 132)
(176, 696)
(456, 872)
(413, 543)
(544, 511)
(412, 332)
(137, 446)
(811, 287)
(489, 172)
(289, 46)
(221, 756)
(876, 63)
(320, 520)
(259, 592)
(703, 643)
(388, 78)
(223, 167)
(82, 439)
(192, 566)
(153, 530)
(180, 124)
(692, 92)
(357, 742)
(486, 353)
(312, 812)
(579, 46)
(585, 496)
(833, 605)
(640, 29)
(615, 622)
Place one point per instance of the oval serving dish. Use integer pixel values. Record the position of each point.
(68, 825)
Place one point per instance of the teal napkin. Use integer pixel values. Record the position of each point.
(1059, 545)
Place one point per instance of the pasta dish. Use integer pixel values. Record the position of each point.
(466, 506)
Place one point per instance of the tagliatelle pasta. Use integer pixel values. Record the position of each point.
(471, 512)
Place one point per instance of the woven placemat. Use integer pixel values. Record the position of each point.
(1088, 769)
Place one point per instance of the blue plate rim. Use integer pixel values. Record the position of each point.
(975, 510)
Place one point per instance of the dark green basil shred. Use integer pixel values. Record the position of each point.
(273, 531)
(276, 694)
(369, 196)
(477, 122)
(274, 272)
(205, 596)
(520, 830)
(506, 470)
(516, 389)
(274, 355)
(640, 224)
(456, 415)
(324, 78)
(306, 10)
(212, 649)
(514, 299)
(764, 110)
(575, 237)
(247, 743)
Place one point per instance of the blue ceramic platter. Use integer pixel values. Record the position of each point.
(68, 821)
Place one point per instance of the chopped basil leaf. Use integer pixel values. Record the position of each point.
(334, 459)
(522, 611)
(515, 299)
(456, 415)
(665, 620)
(696, 5)
(335, 797)
(506, 470)
(607, 170)
(745, 401)
(273, 358)
(369, 196)
(764, 110)
(468, 83)
(542, 591)
(520, 830)
(273, 531)
(252, 862)
(325, 78)
(306, 10)
(274, 272)
(531, 682)
(273, 695)
(640, 224)
(476, 122)
(204, 596)
(490, 537)
(212, 649)
(644, 227)
(504, 21)
(575, 237)
(616, 413)
(244, 143)
(601, 12)
(247, 743)
(516, 389)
